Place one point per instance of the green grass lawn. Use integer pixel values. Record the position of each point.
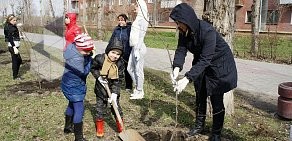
(272, 48)
(33, 109)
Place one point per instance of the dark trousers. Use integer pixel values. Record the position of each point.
(217, 106)
(216, 101)
(128, 78)
(16, 62)
(75, 110)
(101, 106)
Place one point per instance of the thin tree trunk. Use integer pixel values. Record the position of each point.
(220, 13)
(52, 8)
(65, 7)
(100, 16)
(255, 27)
(41, 13)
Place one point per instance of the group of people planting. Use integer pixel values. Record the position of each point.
(213, 70)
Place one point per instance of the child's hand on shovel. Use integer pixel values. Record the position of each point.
(113, 98)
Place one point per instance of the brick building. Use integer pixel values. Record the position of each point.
(275, 15)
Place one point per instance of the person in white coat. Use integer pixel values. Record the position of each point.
(136, 60)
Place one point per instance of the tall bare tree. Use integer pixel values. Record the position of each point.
(220, 13)
(255, 27)
(65, 7)
(52, 9)
(12, 7)
(27, 11)
(41, 13)
(100, 18)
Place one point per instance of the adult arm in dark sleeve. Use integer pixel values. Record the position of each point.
(180, 53)
(9, 34)
(208, 51)
(111, 39)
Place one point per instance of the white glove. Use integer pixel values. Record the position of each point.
(22, 37)
(174, 75)
(93, 52)
(15, 50)
(181, 85)
(19, 24)
(137, 54)
(102, 81)
(113, 99)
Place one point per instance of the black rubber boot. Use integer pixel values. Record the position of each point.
(215, 137)
(218, 121)
(201, 109)
(198, 127)
(78, 131)
(68, 124)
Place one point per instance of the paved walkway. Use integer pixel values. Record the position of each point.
(253, 76)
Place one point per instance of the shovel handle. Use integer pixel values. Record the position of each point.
(114, 106)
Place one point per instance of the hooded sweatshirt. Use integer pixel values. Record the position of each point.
(212, 56)
(139, 27)
(72, 29)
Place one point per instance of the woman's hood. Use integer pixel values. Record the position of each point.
(142, 9)
(185, 14)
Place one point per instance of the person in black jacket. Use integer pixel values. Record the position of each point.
(108, 68)
(213, 68)
(122, 32)
(13, 40)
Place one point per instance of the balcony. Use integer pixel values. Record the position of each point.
(238, 3)
(285, 1)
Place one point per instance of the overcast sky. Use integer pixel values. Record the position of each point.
(36, 6)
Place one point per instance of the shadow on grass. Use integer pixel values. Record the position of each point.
(260, 101)
(160, 82)
(29, 87)
(186, 114)
(39, 47)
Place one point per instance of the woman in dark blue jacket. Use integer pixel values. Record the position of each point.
(77, 67)
(213, 68)
(122, 32)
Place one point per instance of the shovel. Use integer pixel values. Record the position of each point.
(125, 135)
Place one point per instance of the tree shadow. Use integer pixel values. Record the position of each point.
(56, 26)
(33, 87)
(40, 48)
(159, 106)
(24, 67)
(260, 101)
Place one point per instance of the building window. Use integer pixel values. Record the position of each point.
(120, 2)
(273, 17)
(248, 17)
(111, 2)
(150, 17)
(150, 1)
